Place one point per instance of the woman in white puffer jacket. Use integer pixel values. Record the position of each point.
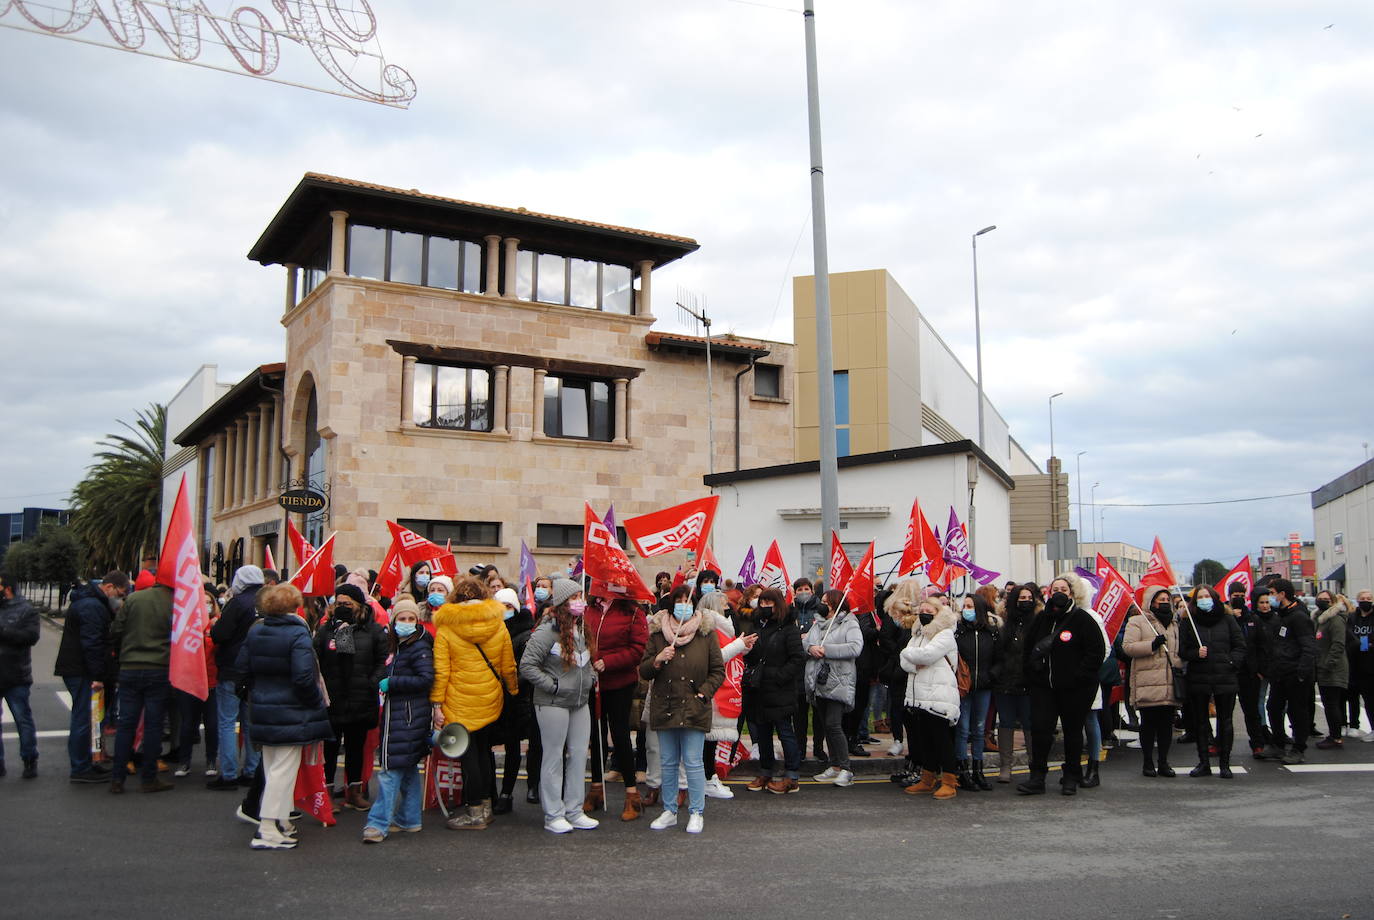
(931, 660)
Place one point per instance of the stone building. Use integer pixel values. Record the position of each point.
(477, 373)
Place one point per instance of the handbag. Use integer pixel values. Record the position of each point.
(963, 678)
(1177, 673)
(506, 696)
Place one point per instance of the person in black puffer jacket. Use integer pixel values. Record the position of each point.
(1251, 686)
(900, 602)
(1293, 671)
(517, 720)
(1009, 675)
(353, 651)
(406, 717)
(228, 634)
(772, 673)
(1063, 654)
(286, 708)
(976, 637)
(1214, 647)
(82, 660)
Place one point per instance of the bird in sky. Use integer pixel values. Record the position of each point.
(1324, 28)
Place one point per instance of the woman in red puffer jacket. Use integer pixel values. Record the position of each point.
(621, 632)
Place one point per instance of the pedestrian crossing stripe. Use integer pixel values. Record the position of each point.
(1331, 768)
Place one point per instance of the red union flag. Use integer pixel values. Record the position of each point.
(389, 576)
(315, 577)
(685, 526)
(302, 549)
(859, 591)
(709, 561)
(445, 563)
(1160, 572)
(413, 547)
(840, 570)
(773, 573)
(1240, 574)
(604, 561)
(179, 569)
(1114, 598)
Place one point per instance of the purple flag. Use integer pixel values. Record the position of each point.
(749, 571)
(957, 552)
(610, 521)
(576, 573)
(1090, 577)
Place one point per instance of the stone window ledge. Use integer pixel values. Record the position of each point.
(778, 400)
(417, 431)
(255, 505)
(579, 442)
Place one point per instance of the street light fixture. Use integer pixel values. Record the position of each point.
(1054, 483)
(1078, 475)
(978, 332)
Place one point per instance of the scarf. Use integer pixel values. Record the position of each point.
(680, 635)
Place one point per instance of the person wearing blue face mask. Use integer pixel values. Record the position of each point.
(405, 726)
(708, 581)
(1214, 647)
(437, 591)
(419, 580)
(976, 637)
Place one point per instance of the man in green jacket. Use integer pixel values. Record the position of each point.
(143, 632)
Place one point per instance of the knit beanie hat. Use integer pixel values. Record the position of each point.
(442, 584)
(404, 605)
(563, 588)
(508, 597)
(353, 593)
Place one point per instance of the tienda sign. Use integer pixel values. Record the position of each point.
(341, 38)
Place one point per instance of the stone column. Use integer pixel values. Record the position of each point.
(498, 399)
(250, 469)
(240, 461)
(338, 242)
(538, 419)
(643, 307)
(274, 465)
(292, 274)
(265, 424)
(408, 391)
(493, 282)
(622, 386)
(230, 445)
(512, 247)
(221, 446)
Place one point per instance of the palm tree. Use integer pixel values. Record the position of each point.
(117, 508)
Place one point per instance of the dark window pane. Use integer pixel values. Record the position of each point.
(476, 533)
(582, 283)
(424, 394)
(553, 287)
(443, 263)
(767, 380)
(472, 269)
(406, 249)
(366, 252)
(559, 536)
(552, 428)
(572, 408)
(617, 293)
(451, 402)
(603, 424)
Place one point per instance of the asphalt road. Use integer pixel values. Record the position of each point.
(1270, 843)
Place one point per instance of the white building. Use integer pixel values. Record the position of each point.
(1343, 522)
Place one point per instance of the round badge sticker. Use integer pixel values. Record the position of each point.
(1065, 636)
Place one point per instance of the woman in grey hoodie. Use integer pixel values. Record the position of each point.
(833, 645)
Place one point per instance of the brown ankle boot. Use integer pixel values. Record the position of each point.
(633, 806)
(949, 786)
(651, 797)
(355, 799)
(926, 785)
(596, 798)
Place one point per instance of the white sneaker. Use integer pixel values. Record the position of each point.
(664, 821)
(828, 776)
(558, 826)
(183, 770)
(695, 824)
(583, 822)
(844, 778)
(268, 838)
(718, 790)
(894, 749)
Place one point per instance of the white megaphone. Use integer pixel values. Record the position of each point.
(451, 740)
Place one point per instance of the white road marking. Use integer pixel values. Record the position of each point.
(1331, 768)
(53, 733)
(65, 697)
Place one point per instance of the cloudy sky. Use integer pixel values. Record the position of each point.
(1182, 191)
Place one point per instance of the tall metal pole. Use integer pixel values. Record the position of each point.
(1093, 499)
(1078, 474)
(710, 412)
(978, 333)
(1054, 486)
(825, 362)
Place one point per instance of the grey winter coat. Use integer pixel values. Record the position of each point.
(542, 666)
(843, 642)
(1333, 665)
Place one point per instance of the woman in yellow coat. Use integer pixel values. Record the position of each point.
(473, 668)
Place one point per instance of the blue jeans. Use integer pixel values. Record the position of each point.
(228, 706)
(79, 733)
(17, 699)
(684, 745)
(1013, 710)
(762, 733)
(973, 715)
(1093, 729)
(400, 795)
(142, 693)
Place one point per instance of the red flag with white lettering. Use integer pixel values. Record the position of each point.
(840, 570)
(709, 561)
(1159, 571)
(604, 561)
(685, 526)
(390, 576)
(1114, 598)
(773, 572)
(179, 569)
(315, 577)
(445, 563)
(859, 591)
(413, 547)
(1240, 574)
(302, 549)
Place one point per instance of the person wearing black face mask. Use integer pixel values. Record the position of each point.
(1214, 648)
(1008, 673)
(1064, 652)
(1251, 686)
(1359, 639)
(1333, 667)
(1293, 671)
(352, 650)
(1151, 641)
(772, 672)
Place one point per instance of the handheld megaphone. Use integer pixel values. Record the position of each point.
(451, 740)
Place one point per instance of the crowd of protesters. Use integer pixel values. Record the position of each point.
(653, 696)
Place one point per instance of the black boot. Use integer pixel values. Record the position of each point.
(1224, 768)
(979, 780)
(965, 779)
(1091, 779)
(30, 768)
(1034, 785)
(1203, 768)
(1148, 767)
(503, 805)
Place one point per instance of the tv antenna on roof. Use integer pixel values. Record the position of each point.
(693, 308)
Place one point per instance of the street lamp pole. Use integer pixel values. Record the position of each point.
(978, 332)
(1078, 475)
(1054, 484)
(1093, 498)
